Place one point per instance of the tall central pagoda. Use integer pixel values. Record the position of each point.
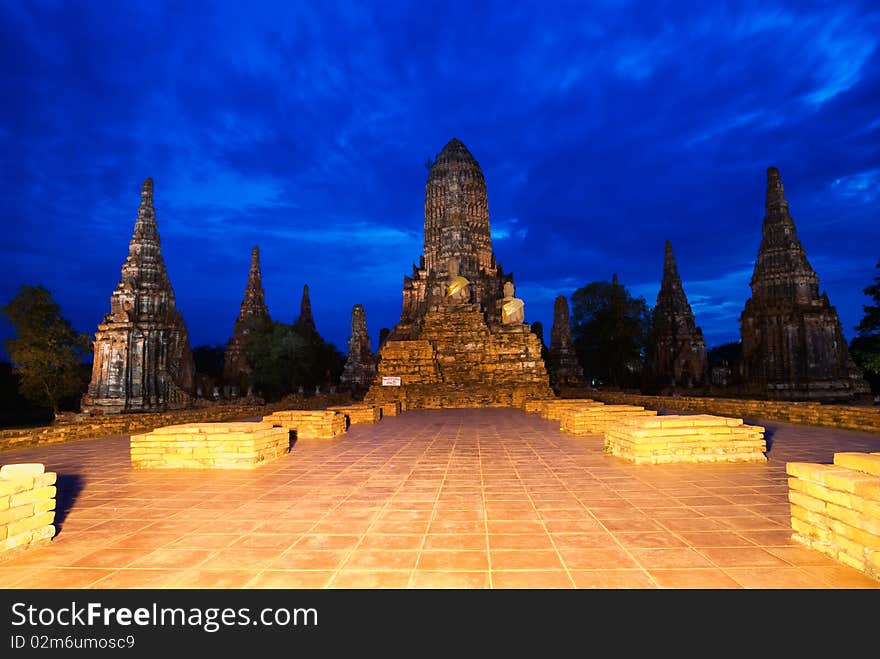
(461, 340)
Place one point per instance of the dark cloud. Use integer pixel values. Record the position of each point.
(602, 132)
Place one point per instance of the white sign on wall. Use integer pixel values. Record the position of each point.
(390, 381)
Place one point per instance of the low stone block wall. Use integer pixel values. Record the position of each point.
(597, 419)
(674, 438)
(125, 424)
(391, 408)
(27, 507)
(554, 408)
(241, 445)
(811, 414)
(835, 509)
(359, 413)
(308, 424)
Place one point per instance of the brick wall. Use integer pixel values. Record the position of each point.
(811, 414)
(27, 507)
(835, 508)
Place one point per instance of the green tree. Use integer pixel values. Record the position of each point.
(611, 329)
(282, 360)
(865, 348)
(47, 353)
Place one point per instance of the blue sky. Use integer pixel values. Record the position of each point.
(602, 128)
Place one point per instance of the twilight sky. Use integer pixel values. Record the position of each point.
(602, 128)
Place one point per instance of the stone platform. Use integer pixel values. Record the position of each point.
(366, 413)
(239, 445)
(835, 509)
(312, 424)
(27, 507)
(458, 360)
(596, 420)
(693, 438)
(554, 410)
(436, 499)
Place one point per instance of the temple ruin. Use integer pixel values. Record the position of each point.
(461, 340)
(142, 359)
(679, 352)
(305, 322)
(565, 369)
(253, 316)
(360, 367)
(792, 343)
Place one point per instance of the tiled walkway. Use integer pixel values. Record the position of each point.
(456, 498)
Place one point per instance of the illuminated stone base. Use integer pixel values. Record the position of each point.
(27, 507)
(242, 445)
(308, 424)
(835, 509)
(696, 438)
(359, 413)
(596, 420)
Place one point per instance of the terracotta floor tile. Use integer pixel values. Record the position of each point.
(801, 556)
(714, 539)
(841, 576)
(325, 541)
(725, 557)
(110, 558)
(640, 524)
(453, 560)
(453, 541)
(520, 541)
(443, 471)
(415, 527)
(174, 559)
(379, 559)
(244, 558)
(650, 539)
(309, 559)
(774, 577)
(710, 578)
(203, 541)
(692, 524)
(514, 526)
(138, 578)
(531, 579)
(586, 525)
(206, 578)
(264, 541)
(597, 559)
(62, 577)
(456, 580)
(290, 579)
(611, 579)
(780, 538)
(525, 560)
(595, 540)
(371, 579)
(676, 557)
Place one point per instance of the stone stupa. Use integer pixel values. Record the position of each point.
(461, 340)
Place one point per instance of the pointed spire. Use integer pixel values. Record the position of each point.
(254, 302)
(360, 366)
(145, 226)
(679, 355)
(670, 269)
(565, 367)
(305, 324)
(614, 280)
(775, 190)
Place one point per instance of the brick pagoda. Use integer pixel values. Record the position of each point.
(461, 340)
(792, 343)
(142, 357)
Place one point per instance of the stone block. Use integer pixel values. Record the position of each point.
(868, 463)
